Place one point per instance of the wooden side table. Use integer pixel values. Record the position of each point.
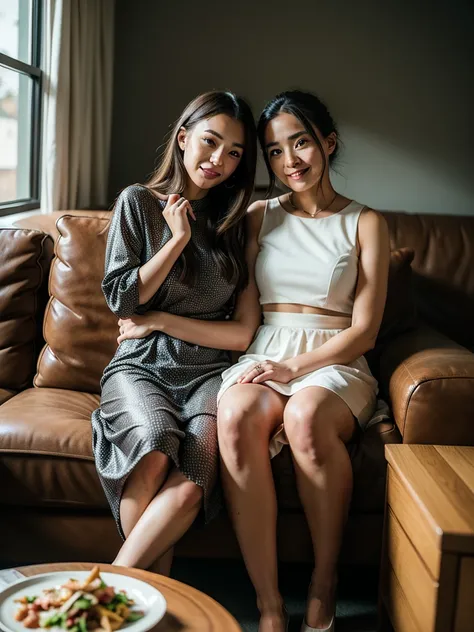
(427, 571)
(189, 610)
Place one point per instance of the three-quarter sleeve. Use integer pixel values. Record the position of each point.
(123, 256)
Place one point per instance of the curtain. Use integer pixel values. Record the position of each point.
(77, 103)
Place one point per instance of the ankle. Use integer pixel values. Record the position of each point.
(323, 585)
(321, 606)
(272, 604)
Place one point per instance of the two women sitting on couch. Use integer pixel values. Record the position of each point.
(190, 267)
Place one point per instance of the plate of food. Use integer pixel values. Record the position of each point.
(81, 601)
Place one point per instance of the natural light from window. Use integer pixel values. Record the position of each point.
(15, 102)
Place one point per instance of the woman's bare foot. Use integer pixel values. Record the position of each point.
(321, 605)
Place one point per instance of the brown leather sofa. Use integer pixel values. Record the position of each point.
(52, 354)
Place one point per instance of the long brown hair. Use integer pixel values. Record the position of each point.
(229, 200)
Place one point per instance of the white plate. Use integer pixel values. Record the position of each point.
(146, 598)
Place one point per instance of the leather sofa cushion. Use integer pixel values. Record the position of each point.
(79, 329)
(46, 450)
(46, 222)
(443, 269)
(46, 456)
(400, 311)
(429, 381)
(24, 261)
(5, 394)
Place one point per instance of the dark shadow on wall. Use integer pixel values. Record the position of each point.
(400, 71)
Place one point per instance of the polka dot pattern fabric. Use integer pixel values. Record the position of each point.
(159, 392)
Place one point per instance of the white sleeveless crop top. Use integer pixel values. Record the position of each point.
(308, 261)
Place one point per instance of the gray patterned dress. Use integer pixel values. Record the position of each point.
(158, 392)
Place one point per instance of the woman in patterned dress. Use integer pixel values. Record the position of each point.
(175, 254)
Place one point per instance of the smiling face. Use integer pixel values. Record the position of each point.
(213, 149)
(294, 155)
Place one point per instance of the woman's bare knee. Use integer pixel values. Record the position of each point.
(188, 494)
(149, 473)
(244, 425)
(235, 419)
(309, 431)
(314, 428)
(249, 409)
(305, 438)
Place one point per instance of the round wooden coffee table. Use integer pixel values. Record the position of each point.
(189, 610)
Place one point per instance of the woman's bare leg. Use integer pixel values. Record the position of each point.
(166, 519)
(318, 423)
(141, 487)
(162, 566)
(247, 416)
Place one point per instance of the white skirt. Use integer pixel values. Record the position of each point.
(286, 335)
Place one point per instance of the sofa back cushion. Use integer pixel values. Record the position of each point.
(25, 256)
(79, 329)
(443, 269)
(400, 311)
(81, 332)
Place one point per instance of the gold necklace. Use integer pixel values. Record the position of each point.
(320, 210)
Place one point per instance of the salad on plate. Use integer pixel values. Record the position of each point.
(78, 606)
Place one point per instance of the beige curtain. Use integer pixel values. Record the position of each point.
(77, 103)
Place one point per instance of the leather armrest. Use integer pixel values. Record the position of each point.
(429, 380)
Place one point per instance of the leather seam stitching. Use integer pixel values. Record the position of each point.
(425, 381)
(47, 452)
(405, 412)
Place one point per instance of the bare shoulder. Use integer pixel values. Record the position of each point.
(255, 213)
(372, 217)
(373, 233)
(372, 221)
(256, 208)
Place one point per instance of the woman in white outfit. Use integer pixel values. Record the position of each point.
(321, 266)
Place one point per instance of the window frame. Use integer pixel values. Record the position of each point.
(32, 70)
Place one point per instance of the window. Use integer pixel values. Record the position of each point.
(20, 103)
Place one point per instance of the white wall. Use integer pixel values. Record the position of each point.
(397, 77)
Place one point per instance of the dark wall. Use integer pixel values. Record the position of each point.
(397, 77)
